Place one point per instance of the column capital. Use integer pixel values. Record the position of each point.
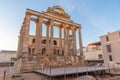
(73, 28)
(60, 27)
(51, 22)
(67, 29)
(27, 15)
(47, 24)
(27, 18)
(79, 29)
(40, 19)
(63, 25)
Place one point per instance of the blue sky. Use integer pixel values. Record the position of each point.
(97, 17)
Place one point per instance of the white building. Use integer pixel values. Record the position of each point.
(111, 47)
(93, 53)
(7, 57)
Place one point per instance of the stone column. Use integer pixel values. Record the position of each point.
(65, 40)
(19, 47)
(68, 42)
(47, 40)
(38, 37)
(74, 41)
(21, 38)
(60, 40)
(26, 26)
(80, 43)
(51, 37)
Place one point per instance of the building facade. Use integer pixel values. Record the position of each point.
(56, 45)
(49, 51)
(93, 53)
(7, 58)
(111, 47)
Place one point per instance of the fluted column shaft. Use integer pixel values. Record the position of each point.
(51, 37)
(19, 49)
(74, 41)
(26, 27)
(68, 42)
(65, 41)
(47, 38)
(80, 43)
(38, 42)
(60, 40)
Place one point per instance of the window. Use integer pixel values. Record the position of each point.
(62, 52)
(43, 50)
(13, 58)
(33, 41)
(54, 51)
(110, 58)
(107, 38)
(108, 48)
(55, 42)
(100, 56)
(33, 50)
(44, 41)
(118, 63)
(29, 50)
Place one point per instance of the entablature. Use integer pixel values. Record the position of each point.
(52, 17)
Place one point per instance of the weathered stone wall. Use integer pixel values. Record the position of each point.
(35, 62)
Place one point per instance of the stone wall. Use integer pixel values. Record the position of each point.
(35, 62)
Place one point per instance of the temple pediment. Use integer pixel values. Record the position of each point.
(58, 11)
